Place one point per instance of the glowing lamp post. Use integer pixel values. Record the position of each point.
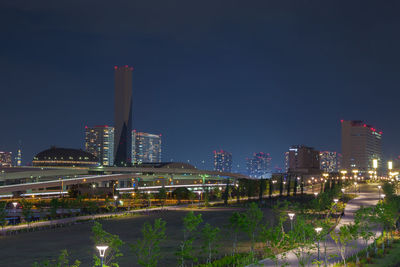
(315, 194)
(291, 216)
(383, 196)
(116, 202)
(336, 201)
(355, 187)
(318, 230)
(102, 252)
(15, 204)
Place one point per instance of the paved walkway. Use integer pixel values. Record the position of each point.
(367, 197)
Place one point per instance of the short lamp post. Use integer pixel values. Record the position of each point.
(355, 187)
(102, 252)
(383, 196)
(291, 216)
(318, 230)
(315, 194)
(116, 202)
(15, 204)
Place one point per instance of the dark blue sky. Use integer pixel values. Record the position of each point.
(245, 76)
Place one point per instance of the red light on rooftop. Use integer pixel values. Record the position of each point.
(115, 67)
(126, 66)
(365, 125)
(85, 127)
(131, 68)
(341, 121)
(160, 134)
(380, 132)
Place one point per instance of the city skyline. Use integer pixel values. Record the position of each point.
(189, 84)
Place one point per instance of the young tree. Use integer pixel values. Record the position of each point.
(210, 237)
(302, 239)
(61, 261)
(27, 210)
(147, 249)
(342, 239)
(114, 243)
(54, 204)
(253, 217)
(237, 222)
(185, 251)
(3, 214)
(162, 195)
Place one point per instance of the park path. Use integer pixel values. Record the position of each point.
(368, 196)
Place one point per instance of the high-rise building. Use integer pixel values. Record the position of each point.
(329, 161)
(99, 141)
(286, 161)
(259, 165)
(5, 159)
(361, 144)
(146, 147)
(222, 161)
(18, 158)
(123, 115)
(303, 159)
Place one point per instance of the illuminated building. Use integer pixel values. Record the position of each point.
(123, 115)
(99, 141)
(18, 158)
(5, 159)
(361, 144)
(259, 165)
(286, 161)
(303, 159)
(329, 161)
(222, 161)
(65, 157)
(146, 147)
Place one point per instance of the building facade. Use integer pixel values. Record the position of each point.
(222, 161)
(329, 161)
(361, 144)
(64, 157)
(303, 159)
(123, 115)
(146, 147)
(99, 141)
(5, 159)
(258, 166)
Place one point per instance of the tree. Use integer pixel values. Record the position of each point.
(147, 249)
(185, 251)
(302, 239)
(237, 222)
(210, 237)
(114, 243)
(253, 217)
(3, 214)
(61, 261)
(53, 208)
(180, 193)
(342, 238)
(162, 195)
(27, 210)
(226, 192)
(363, 220)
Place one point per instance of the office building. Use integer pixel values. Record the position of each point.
(5, 159)
(146, 147)
(222, 161)
(361, 144)
(123, 115)
(303, 159)
(258, 166)
(329, 161)
(99, 141)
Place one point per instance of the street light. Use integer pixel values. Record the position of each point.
(355, 187)
(315, 194)
(383, 196)
(375, 165)
(291, 216)
(318, 230)
(379, 188)
(102, 252)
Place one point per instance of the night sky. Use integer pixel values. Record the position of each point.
(244, 76)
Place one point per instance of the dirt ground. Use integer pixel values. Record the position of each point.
(26, 248)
